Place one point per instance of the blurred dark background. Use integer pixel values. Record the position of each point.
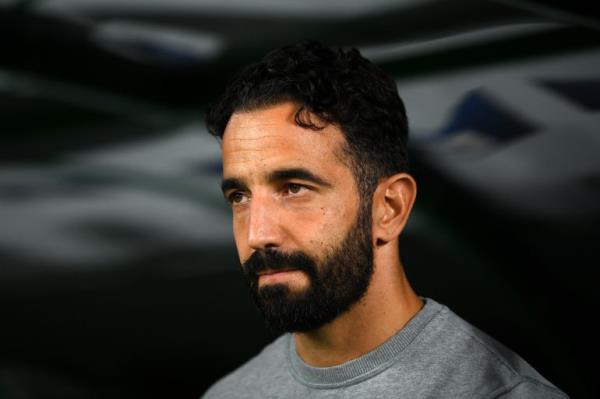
(118, 274)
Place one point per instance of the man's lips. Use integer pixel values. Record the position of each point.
(278, 275)
(269, 272)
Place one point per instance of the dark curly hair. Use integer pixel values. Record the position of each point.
(338, 86)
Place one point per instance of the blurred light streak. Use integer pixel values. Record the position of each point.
(384, 52)
(115, 204)
(152, 43)
(554, 13)
(301, 8)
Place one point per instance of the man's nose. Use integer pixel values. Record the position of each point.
(264, 224)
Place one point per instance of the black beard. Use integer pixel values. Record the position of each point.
(334, 286)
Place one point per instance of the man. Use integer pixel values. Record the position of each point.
(315, 171)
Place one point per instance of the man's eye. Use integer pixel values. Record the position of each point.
(294, 188)
(237, 198)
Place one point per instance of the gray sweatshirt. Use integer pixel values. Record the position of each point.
(435, 355)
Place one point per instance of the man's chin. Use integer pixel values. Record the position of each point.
(286, 310)
(281, 293)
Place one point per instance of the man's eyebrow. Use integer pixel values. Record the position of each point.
(297, 173)
(232, 183)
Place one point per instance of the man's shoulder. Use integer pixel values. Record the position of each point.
(471, 357)
(471, 342)
(265, 366)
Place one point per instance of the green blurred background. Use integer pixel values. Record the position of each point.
(118, 274)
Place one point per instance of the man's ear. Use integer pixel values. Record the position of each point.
(392, 202)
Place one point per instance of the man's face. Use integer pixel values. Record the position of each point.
(302, 235)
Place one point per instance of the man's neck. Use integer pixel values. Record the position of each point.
(387, 306)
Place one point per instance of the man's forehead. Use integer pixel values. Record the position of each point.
(273, 133)
(274, 115)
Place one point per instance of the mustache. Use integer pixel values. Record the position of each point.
(263, 260)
